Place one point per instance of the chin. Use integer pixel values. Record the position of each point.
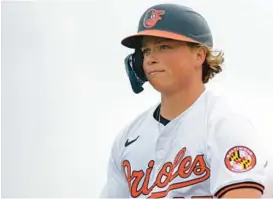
(163, 88)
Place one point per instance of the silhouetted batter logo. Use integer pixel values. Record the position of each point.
(152, 17)
(240, 159)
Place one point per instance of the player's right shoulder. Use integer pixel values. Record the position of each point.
(137, 122)
(132, 127)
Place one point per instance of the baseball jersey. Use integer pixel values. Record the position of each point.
(206, 151)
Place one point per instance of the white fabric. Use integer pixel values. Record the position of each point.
(203, 134)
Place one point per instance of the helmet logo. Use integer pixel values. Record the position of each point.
(152, 17)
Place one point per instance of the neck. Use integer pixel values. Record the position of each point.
(177, 102)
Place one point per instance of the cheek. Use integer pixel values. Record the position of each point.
(144, 64)
(178, 64)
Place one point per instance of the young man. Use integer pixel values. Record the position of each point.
(190, 145)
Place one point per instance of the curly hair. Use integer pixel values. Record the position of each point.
(213, 62)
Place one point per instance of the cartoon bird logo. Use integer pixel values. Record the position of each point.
(152, 17)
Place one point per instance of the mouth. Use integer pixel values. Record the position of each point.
(155, 72)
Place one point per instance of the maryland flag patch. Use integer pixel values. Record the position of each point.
(240, 159)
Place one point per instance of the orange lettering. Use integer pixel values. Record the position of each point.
(145, 189)
(166, 175)
(138, 175)
(127, 171)
(179, 157)
(200, 165)
(186, 165)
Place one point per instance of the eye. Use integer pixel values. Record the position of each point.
(146, 51)
(164, 47)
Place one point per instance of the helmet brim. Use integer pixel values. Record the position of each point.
(134, 41)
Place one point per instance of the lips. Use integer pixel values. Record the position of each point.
(154, 72)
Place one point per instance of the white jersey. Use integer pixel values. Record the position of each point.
(206, 151)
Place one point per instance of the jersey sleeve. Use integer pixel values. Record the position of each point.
(236, 156)
(116, 185)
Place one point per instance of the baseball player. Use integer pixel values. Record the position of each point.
(190, 145)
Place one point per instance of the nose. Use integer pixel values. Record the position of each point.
(151, 62)
(150, 59)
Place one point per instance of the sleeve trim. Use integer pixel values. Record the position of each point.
(230, 187)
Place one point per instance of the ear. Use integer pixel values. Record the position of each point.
(200, 55)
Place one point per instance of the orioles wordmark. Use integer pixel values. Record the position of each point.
(186, 166)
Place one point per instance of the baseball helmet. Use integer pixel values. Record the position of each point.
(170, 21)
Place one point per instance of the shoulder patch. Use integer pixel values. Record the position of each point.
(240, 159)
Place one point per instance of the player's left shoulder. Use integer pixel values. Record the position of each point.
(221, 117)
(216, 105)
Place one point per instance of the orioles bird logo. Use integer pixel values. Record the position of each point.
(152, 17)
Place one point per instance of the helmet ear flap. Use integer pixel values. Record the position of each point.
(138, 64)
(135, 72)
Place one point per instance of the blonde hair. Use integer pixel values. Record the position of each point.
(213, 63)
